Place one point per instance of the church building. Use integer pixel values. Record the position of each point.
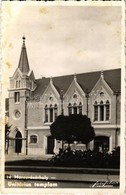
(35, 103)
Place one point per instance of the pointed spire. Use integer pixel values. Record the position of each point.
(23, 62)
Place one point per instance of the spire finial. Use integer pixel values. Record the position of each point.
(23, 38)
(51, 79)
(102, 75)
(75, 77)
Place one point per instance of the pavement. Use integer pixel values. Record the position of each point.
(15, 157)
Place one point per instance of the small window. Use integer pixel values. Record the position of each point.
(75, 96)
(18, 84)
(17, 97)
(33, 139)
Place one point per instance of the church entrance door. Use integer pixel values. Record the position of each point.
(101, 143)
(18, 142)
(50, 145)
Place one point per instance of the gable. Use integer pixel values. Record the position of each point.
(17, 74)
(101, 91)
(74, 93)
(50, 95)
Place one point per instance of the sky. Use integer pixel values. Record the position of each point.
(61, 40)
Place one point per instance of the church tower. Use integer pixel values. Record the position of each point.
(22, 83)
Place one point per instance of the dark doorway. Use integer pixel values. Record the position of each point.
(18, 142)
(101, 143)
(50, 145)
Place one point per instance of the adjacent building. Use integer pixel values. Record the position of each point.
(35, 103)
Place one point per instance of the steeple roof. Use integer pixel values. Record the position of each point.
(23, 62)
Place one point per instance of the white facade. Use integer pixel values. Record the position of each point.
(35, 104)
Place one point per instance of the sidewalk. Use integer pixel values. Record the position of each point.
(16, 157)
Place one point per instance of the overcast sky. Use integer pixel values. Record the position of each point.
(62, 39)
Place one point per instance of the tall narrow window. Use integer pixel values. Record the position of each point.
(46, 114)
(69, 109)
(17, 97)
(80, 108)
(16, 84)
(51, 113)
(107, 110)
(55, 112)
(101, 111)
(75, 108)
(95, 111)
(19, 83)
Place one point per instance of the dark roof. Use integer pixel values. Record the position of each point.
(86, 80)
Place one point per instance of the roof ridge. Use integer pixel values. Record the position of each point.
(67, 75)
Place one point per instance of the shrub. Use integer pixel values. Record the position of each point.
(87, 159)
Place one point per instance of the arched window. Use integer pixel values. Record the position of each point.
(101, 111)
(75, 108)
(80, 108)
(46, 113)
(18, 142)
(18, 83)
(51, 113)
(33, 139)
(69, 109)
(55, 111)
(107, 110)
(95, 111)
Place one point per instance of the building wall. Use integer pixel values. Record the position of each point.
(33, 118)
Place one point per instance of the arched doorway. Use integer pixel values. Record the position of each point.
(50, 145)
(18, 142)
(101, 143)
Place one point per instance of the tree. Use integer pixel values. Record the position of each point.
(7, 132)
(73, 128)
